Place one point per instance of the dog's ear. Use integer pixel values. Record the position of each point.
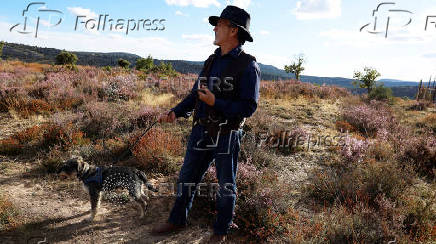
(79, 166)
(82, 166)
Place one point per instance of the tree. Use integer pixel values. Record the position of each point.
(145, 64)
(2, 44)
(66, 58)
(165, 69)
(123, 63)
(366, 79)
(296, 67)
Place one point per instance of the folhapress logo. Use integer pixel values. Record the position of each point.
(37, 14)
(43, 11)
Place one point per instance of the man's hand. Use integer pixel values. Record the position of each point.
(167, 117)
(207, 96)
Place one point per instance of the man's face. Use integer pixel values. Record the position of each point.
(223, 32)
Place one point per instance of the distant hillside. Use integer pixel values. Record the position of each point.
(398, 91)
(47, 55)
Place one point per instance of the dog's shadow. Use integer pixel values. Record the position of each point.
(50, 230)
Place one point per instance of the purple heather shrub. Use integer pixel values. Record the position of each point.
(121, 87)
(294, 88)
(143, 117)
(370, 119)
(354, 150)
(67, 117)
(103, 119)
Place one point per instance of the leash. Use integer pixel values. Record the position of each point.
(128, 152)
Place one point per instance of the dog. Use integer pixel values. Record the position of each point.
(98, 179)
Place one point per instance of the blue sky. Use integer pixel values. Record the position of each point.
(327, 32)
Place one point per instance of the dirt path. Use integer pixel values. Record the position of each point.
(55, 209)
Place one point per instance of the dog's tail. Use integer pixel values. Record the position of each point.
(142, 176)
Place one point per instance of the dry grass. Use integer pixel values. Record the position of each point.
(9, 215)
(156, 100)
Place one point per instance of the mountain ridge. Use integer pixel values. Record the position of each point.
(36, 54)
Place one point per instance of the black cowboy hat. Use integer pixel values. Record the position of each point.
(237, 16)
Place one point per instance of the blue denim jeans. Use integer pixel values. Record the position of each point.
(200, 153)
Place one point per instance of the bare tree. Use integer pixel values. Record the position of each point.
(297, 66)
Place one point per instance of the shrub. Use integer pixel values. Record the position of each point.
(420, 217)
(66, 58)
(287, 141)
(53, 160)
(123, 63)
(354, 150)
(430, 122)
(261, 201)
(359, 225)
(10, 146)
(363, 184)
(9, 214)
(2, 44)
(42, 137)
(105, 120)
(420, 153)
(369, 119)
(144, 117)
(421, 105)
(381, 151)
(107, 68)
(119, 88)
(64, 136)
(251, 153)
(293, 89)
(344, 126)
(381, 93)
(145, 64)
(157, 151)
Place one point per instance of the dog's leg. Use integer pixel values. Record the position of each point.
(135, 191)
(95, 197)
(143, 207)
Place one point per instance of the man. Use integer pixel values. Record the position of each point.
(231, 95)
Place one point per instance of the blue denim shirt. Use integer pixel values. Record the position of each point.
(248, 92)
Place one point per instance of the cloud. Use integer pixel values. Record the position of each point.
(201, 39)
(195, 3)
(180, 13)
(82, 11)
(240, 3)
(355, 38)
(272, 59)
(429, 55)
(264, 32)
(317, 9)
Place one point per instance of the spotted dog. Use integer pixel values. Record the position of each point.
(98, 179)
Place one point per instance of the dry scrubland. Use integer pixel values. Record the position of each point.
(374, 186)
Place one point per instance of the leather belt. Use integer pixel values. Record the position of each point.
(206, 122)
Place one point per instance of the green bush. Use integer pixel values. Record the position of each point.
(145, 64)
(66, 58)
(123, 63)
(381, 93)
(107, 68)
(2, 44)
